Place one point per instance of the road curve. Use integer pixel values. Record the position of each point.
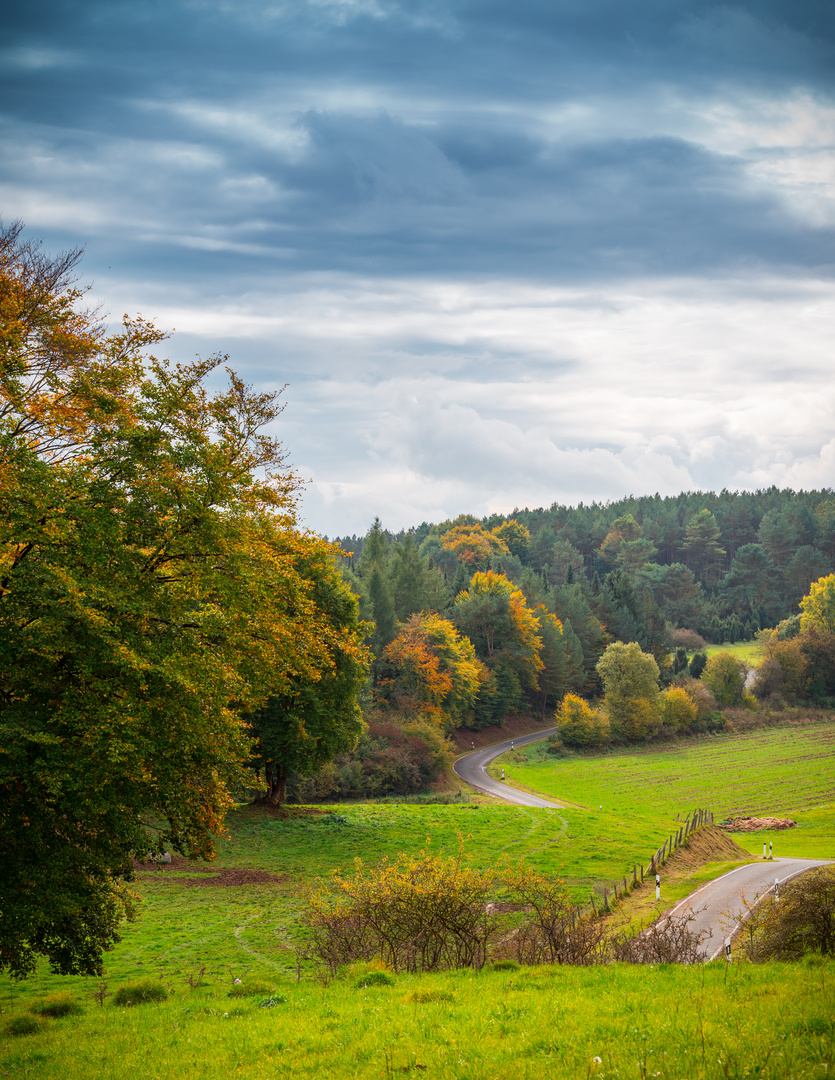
(472, 768)
(721, 898)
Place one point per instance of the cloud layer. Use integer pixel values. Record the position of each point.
(503, 254)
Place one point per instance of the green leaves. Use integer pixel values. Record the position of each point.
(153, 586)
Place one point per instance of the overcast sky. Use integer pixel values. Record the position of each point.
(503, 252)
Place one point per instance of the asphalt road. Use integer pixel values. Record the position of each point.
(718, 905)
(472, 769)
(722, 898)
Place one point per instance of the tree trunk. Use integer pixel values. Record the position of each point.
(276, 785)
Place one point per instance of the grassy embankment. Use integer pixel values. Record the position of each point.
(682, 1023)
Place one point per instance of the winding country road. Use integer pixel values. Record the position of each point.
(722, 900)
(472, 768)
(718, 905)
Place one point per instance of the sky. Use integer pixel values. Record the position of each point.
(501, 253)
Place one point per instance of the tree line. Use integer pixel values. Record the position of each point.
(171, 638)
(724, 565)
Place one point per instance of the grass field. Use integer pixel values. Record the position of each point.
(749, 652)
(773, 1022)
(194, 929)
(784, 771)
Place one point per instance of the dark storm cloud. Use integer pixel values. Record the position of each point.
(464, 184)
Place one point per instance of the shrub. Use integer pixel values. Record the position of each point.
(770, 684)
(704, 701)
(57, 1005)
(698, 664)
(687, 639)
(504, 965)
(374, 978)
(668, 941)
(417, 913)
(423, 996)
(556, 934)
(397, 755)
(803, 921)
(580, 725)
(24, 1025)
(793, 664)
(140, 993)
(678, 709)
(271, 1001)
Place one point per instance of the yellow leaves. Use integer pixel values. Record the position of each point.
(473, 545)
(435, 666)
(818, 607)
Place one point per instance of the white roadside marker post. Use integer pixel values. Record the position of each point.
(771, 849)
(764, 848)
(776, 890)
(728, 949)
(657, 886)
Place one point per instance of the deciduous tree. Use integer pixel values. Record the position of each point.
(725, 676)
(630, 682)
(318, 714)
(818, 607)
(149, 593)
(430, 668)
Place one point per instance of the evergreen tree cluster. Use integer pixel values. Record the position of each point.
(723, 564)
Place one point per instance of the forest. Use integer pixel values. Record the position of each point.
(173, 641)
(472, 621)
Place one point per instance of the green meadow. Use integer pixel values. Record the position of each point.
(783, 771)
(749, 652)
(203, 927)
(773, 1022)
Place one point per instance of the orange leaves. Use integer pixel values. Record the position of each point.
(153, 584)
(496, 616)
(473, 545)
(433, 668)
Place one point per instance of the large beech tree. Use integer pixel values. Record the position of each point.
(150, 593)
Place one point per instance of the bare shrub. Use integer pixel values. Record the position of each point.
(687, 639)
(417, 913)
(668, 941)
(557, 933)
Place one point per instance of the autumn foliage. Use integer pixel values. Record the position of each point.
(433, 670)
(151, 591)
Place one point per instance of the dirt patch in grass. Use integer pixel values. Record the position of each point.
(231, 878)
(755, 824)
(177, 862)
